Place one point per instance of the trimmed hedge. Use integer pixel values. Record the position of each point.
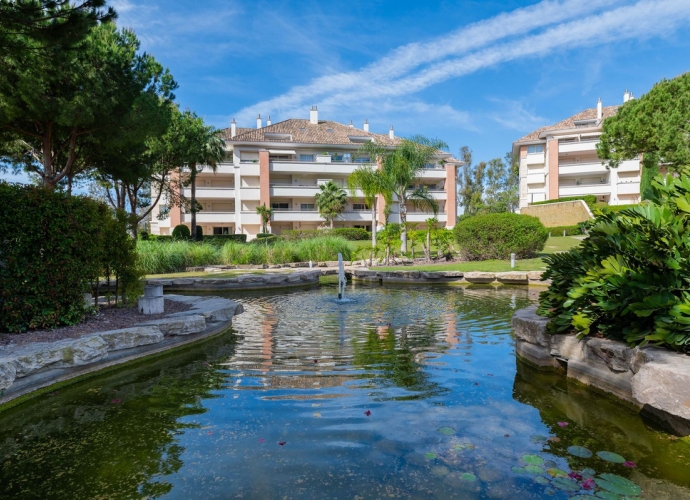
(569, 230)
(181, 232)
(53, 247)
(496, 236)
(349, 233)
(590, 199)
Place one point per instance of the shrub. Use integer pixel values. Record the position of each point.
(349, 233)
(143, 235)
(628, 279)
(52, 247)
(181, 232)
(589, 199)
(221, 239)
(199, 233)
(569, 230)
(496, 236)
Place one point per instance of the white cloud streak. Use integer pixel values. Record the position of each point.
(564, 25)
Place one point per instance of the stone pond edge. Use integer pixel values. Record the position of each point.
(45, 366)
(654, 381)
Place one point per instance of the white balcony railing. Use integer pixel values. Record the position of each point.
(575, 168)
(210, 217)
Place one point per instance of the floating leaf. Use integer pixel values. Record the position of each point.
(439, 471)
(565, 484)
(464, 446)
(532, 459)
(430, 455)
(553, 472)
(541, 480)
(519, 470)
(579, 451)
(468, 476)
(588, 473)
(609, 456)
(448, 431)
(618, 485)
(534, 469)
(549, 464)
(538, 439)
(607, 495)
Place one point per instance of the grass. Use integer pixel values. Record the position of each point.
(553, 245)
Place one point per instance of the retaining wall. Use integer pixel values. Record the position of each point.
(567, 213)
(656, 381)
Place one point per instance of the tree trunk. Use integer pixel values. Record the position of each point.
(403, 224)
(332, 223)
(193, 187)
(427, 248)
(373, 224)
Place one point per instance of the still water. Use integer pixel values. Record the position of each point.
(402, 393)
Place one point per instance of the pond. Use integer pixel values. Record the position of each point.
(401, 393)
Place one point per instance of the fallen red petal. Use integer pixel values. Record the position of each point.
(282, 443)
(588, 484)
(367, 413)
(563, 424)
(115, 401)
(630, 464)
(506, 435)
(262, 440)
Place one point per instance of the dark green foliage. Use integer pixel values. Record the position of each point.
(590, 199)
(143, 235)
(181, 232)
(52, 247)
(629, 278)
(569, 230)
(199, 233)
(617, 208)
(496, 236)
(223, 238)
(349, 233)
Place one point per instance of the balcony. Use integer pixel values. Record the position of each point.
(539, 178)
(535, 159)
(296, 216)
(584, 189)
(212, 193)
(250, 193)
(417, 217)
(629, 188)
(581, 168)
(301, 167)
(432, 173)
(629, 166)
(249, 169)
(210, 217)
(250, 217)
(223, 168)
(577, 146)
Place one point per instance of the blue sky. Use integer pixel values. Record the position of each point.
(479, 73)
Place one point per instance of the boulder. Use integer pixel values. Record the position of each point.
(531, 328)
(81, 351)
(534, 275)
(179, 325)
(126, 338)
(479, 277)
(616, 355)
(183, 282)
(567, 347)
(597, 374)
(250, 278)
(8, 372)
(512, 278)
(536, 355)
(664, 384)
(213, 309)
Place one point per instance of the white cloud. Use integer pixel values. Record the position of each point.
(415, 67)
(513, 115)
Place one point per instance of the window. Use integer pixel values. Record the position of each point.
(279, 158)
(532, 150)
(307, 207)
(280, 206)
(360, 206)
(221, 230)
(363, 159)
(306, 158)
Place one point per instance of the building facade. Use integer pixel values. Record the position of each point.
(559, 161)
(282, 166)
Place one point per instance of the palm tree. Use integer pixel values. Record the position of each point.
(265, 214)
(203, 148)
(331, 200)
(400, 166)
(372, 183)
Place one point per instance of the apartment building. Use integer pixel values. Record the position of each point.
(282, 166)
(560, 160)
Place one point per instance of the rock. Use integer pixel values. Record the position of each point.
(534, 275)
(8, 372)
(432, 275)
(213, 309)
(81, 351)
(274, 279)
(598, 375)
(187, 299)
(615, 354)
(536, 355)
(183, 282)
(180, 325)
(664, 384)
(530, 327)
(512, 278)
(126, 338)
(250, 278)
(479, 277)
(567, 347)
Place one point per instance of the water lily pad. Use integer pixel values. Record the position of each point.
(607, 495)
(534, 469)
(609, 456)
(532, 459)
(618, 485)
(448, 431)
(553, 472)
(519, 470)
(468, 476)
(541, 480)
(430, 455)
(464, 446)
(579, 451)
(587, 473)
(439, 471)
(565, 484)
(538, 439)
(549, 464)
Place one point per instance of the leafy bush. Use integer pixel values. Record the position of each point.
(496, 236)
(349, 233)
(617, 208)
(569, 230)
(176, 256)
(629, 278)
(181, 232)
(589, 199)
(52, 248)
(224, 238)
(143, 235)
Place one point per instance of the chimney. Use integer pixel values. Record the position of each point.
(632, 96)
(391, 133)
(351, 125)
(600, 113)
(268, 122)
(233, 128)
(258, 121)
(366, 125)
(314, 115)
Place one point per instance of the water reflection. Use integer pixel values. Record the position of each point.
(407, 392)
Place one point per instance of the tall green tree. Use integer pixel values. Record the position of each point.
(656, 126)
(331, 201)
(59, 108)
(471, 183)
(372, 182)
(502, 185)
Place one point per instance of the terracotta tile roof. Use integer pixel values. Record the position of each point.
(568, 123)
(225, 133)
(303, 132)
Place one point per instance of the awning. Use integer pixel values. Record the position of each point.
(282, 152)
